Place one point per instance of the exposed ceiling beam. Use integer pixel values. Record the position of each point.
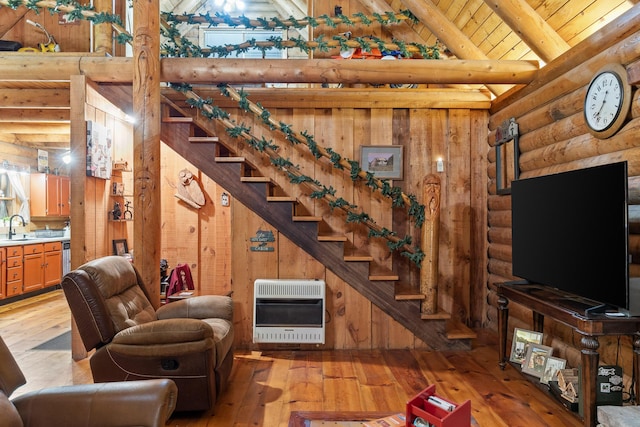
(450, 35)
(192, 70)
(37, 140)
(34, 115)
(35, 128)
(532, 29)
(34, 98)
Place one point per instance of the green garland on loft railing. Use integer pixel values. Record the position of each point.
(360, 18)
(320, 191)
(75, 11)
(185, 48)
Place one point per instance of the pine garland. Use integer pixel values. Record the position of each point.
(357, 19)
(319, 191)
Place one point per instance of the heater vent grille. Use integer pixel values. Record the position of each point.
(289, 311)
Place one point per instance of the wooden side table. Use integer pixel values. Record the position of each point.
(549, 302)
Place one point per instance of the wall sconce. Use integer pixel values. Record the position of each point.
(439, 165)
(66, 157)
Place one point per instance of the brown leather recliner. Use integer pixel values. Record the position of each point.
(189, 341)
(134, 403)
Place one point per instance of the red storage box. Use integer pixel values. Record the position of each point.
(420, 406)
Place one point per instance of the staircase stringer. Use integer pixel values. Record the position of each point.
(280, 216)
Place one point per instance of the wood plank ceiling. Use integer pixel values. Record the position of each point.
(36, 113)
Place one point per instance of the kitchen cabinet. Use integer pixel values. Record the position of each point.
(3, 273)
(52, 263)
(33, 276)
(14, 270)
(50, 195)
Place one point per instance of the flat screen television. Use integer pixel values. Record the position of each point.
(570, 232)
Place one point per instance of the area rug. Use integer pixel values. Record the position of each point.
(61, 342)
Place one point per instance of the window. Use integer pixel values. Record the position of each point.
(225, 36)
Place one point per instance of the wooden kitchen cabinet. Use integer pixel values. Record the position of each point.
(50, 195)
(52, 263)
(14, 270)
(3, 273)
(33, 276)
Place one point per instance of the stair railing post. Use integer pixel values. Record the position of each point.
(430, 236)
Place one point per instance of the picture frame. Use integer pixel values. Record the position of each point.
(120, 247)
(536, 359)
(383, 161)
(521, 340)
(507, 148)
(551, 369)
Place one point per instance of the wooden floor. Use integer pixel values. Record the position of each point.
(266, 386)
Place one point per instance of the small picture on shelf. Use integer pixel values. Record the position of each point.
(536, 359)
(117, 189)
(120, 247)
(551, 369)
(521, 340)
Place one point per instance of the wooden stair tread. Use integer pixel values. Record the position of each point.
(441, 315)
(305, 218)
(204, 139)
(407, 292)
(377, 273)
(332, 238)
(456, 330)
(174, 119)
(255, 179)
(230, 159)
(356, 257)
(282, 199)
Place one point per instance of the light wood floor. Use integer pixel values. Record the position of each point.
(266, 386)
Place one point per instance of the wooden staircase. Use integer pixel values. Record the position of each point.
(259, 194)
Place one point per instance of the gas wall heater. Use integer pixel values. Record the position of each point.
(288, 311)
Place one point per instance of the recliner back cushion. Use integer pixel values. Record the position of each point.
(117, 281)
(9, 416)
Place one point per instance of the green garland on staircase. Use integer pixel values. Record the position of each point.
(235, 130)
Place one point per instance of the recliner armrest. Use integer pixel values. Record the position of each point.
(131, 403)
(200, 307)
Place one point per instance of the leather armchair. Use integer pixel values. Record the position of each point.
(189, 341)
(139, 403)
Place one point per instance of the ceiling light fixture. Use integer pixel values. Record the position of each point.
(230, 5)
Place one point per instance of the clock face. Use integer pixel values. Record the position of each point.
(603, 102)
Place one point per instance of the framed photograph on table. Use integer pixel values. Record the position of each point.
(120, 247)
(553, 366)
(521, 340)
(383, 161)
(536, 359)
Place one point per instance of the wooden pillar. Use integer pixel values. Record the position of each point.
(430, 237)
(146, 144)
(103, 33)
(77, 176)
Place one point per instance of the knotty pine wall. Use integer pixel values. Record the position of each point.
(554, 138)
(458, 135)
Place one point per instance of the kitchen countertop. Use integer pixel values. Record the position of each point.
(21, 241)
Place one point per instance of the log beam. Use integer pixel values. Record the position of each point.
(531, 28)
(205, 70)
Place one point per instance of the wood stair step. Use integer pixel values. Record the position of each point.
(230, 159)
(305, 218)
(255, 179)
(456, 330)
(332, 238)
(204, 139)
(177, 119)
(441, 315)
(407, 292)
(356, 258)
(377, 273)
(282, 199)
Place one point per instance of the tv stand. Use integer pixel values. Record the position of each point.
(544, 301)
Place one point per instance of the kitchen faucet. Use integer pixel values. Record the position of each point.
(11, 232)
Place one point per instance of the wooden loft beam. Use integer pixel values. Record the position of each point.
(529, 25)
(33, 115)
(206, 70)
(453, 38)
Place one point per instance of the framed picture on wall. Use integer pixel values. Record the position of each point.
(553, 366)
(521, 340)
(383, 161)
(536, 359)
(120, 247)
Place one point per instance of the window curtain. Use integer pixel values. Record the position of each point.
(16, 183)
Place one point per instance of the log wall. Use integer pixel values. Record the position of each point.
(554, 138)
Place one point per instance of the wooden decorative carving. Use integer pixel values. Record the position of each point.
(189, 190)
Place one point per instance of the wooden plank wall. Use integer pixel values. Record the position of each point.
(458, 136)
(549, 113)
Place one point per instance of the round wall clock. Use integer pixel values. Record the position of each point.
(608, 100)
